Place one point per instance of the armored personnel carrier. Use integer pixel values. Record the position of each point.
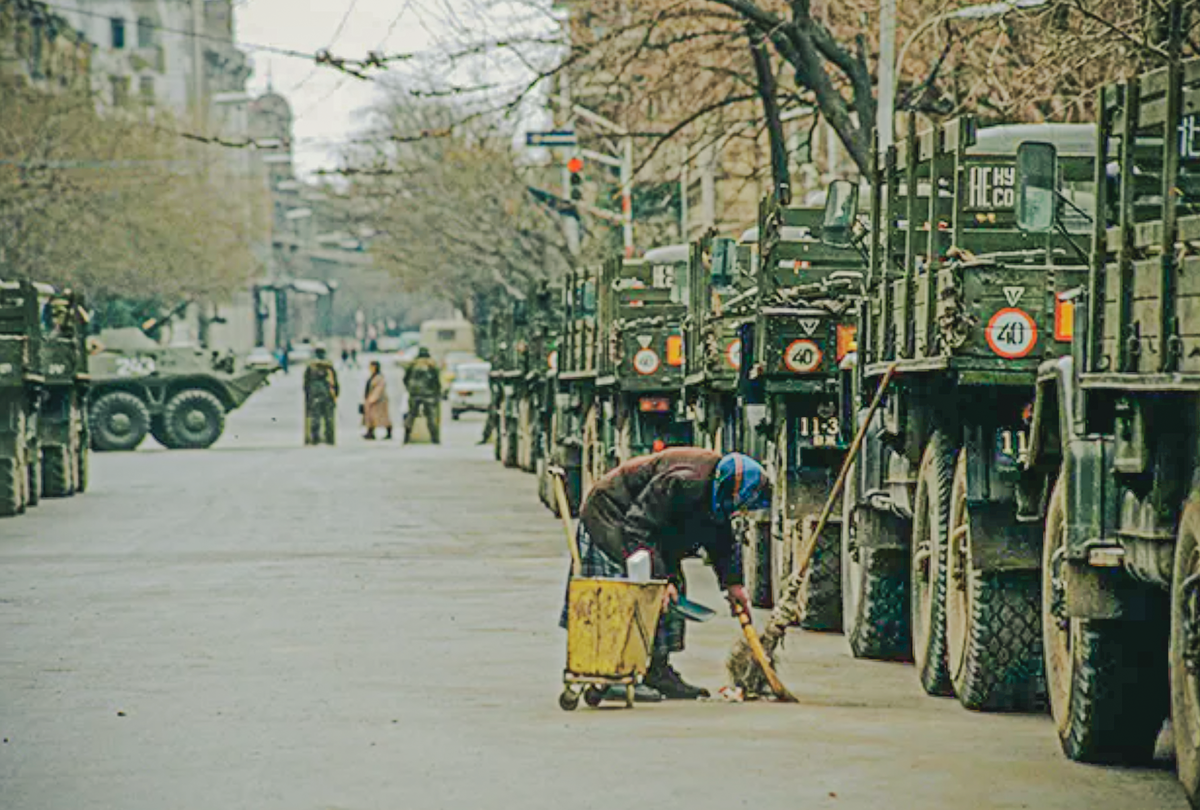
(177, 394)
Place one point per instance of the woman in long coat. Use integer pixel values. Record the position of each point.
(375, 404)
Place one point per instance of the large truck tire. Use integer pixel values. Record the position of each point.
(58, 474)
(1106, 680)
(822, 590)
(927, 560)
(193, 419)
(12, 487)
(80, 465)
(993, 622)
(875, 612)
(33, 477)
(1184, 666)
(118, 420)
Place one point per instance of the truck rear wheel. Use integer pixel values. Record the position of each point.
(58, 479)
(118, 421)
(33, 476)
(1184, 654)
(992, 619)
(1106, 680)
(12, 487)
(927, 560)
(193, 419)
(875, 610)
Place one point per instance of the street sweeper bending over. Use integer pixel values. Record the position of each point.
(674, 504)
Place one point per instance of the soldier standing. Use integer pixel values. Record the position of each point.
(423, 381)
(320, 399)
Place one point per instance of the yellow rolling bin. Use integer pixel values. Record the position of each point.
(610, 625)
(610, 635)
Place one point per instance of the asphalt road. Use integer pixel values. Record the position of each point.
(264, 625)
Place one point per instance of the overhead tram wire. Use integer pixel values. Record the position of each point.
(250, 46)
(332, 41)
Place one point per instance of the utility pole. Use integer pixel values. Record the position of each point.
(197, 7)
(887, 72)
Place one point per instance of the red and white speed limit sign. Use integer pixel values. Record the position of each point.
(645, 361)
(1011, 333)
(802, 356)
(733, 353)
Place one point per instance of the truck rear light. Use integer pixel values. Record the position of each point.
(674, 350)
(659, 445)
(847, 340)
(801, 264)
(654, 404)
(1064, 318)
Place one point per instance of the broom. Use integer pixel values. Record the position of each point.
(742, 665)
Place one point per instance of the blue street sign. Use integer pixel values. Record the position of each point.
(561, 137)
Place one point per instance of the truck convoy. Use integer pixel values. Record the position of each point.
(43, 387)
(1023, 520)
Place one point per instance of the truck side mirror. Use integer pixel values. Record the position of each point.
(723, 255)
(1037, 187)
(841, 209)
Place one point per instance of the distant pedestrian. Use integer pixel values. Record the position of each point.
(320, 399)
(354, 356)
(284, 361)
(423, 381)
(345, 357)
(375, 404)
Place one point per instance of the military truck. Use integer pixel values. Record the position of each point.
(177, 394)
(62, 420)
(21, 389)
(522, 337)
(802, 328)
(638, 409)
(573, 432)
(1115, 433)
(722, 297)
(941, 529)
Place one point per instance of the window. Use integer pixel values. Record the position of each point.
(120, 90)
(145, 29)
(118, 33)
(446, 335)
(146, 90)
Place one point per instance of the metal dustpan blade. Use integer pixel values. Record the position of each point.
(693, 611)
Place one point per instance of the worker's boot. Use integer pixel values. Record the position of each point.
(370, 434)
(389, 433)
(663, 678)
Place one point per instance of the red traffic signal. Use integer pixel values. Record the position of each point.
(575, 165)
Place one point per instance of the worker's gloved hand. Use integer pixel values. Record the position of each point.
(737, 596)
(671, 596)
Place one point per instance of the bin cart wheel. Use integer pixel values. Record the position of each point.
(568, 701)
(593, 695)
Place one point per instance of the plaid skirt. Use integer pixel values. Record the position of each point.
(669, 636)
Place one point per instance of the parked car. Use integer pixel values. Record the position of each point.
(470, 390)
(262, 357)
(451, 363)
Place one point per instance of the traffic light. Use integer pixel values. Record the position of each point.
(575, 168)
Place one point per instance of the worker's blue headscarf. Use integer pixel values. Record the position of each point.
(739, 482)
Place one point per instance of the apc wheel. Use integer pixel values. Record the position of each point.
(58, 475)
(992, 619)
(158, 430)
(193, 420)
(927, 563)
(118, 421)
(1184, 654)
(875, 607)
(1106, 679)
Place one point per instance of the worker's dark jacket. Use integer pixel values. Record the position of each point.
(663, 503)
